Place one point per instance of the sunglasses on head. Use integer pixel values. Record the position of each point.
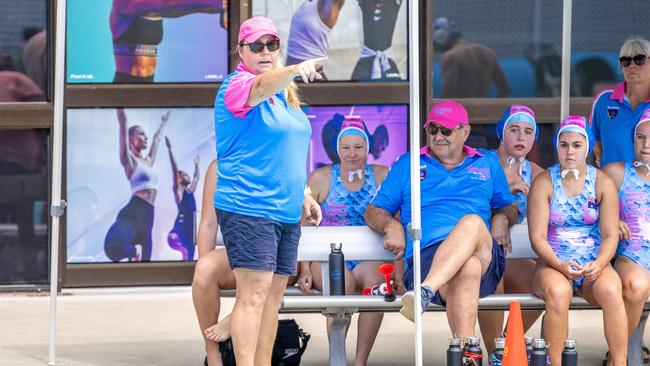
(258, 46)
(433, 130)
(627, 60)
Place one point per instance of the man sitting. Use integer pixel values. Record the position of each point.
(461, 190)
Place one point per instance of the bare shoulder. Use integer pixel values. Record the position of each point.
(321, 173)
(604, 183)
(380, 172)
(542, 181)
(537, 170)
(616, 171)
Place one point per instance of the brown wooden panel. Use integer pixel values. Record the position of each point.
(132, 274)
(26, 115)
(202, 95)
(139, 95)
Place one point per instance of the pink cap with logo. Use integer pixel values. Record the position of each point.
(254, 28)
(448, 114)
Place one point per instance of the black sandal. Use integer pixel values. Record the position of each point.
(205, 361)
(604, 361)
(646, 354)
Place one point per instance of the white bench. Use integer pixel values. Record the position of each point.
(362, 243)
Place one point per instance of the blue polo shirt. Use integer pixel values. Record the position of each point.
(261, 152)
(613, 121)
(476, 186)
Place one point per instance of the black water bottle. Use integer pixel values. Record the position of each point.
(337, 271)
(569, 353)
(473, 353)
(538, 355)
(499, 346)
(454, 353)
(529, 347)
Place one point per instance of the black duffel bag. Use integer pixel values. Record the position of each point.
(290, 344)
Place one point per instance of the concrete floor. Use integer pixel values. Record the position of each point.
(157, 326)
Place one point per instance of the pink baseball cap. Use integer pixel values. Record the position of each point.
(254, 28)
(448, 114)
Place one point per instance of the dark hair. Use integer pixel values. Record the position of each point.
(132, 129)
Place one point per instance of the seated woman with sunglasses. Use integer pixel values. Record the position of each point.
(615, 111)
(574, 231)
(137, 29)
(517, 130)
(262, 142)
(632, 179)
(343, 190)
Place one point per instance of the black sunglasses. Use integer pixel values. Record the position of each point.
(627, 60)
(258, 46)
(433, 130)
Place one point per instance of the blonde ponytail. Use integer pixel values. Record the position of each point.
(292, 95)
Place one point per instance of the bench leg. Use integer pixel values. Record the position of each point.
(337, 331)
(634, 344)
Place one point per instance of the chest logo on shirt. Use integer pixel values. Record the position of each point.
(612, 112)
(423, 172)
(477, 173)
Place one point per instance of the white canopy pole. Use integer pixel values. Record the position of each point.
(415, 230)
(58, 206)
(565, 92)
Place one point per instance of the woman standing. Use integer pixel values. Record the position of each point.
(262, 142)
(616, 111)
(573, 225)
(130, 236)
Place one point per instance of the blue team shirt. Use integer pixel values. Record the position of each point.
(261, 152)
(613, 121)
(476, 186)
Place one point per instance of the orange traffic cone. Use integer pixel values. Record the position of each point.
(514, 354)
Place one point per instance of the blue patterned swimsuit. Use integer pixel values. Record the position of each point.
(634, 201)
(573, 228)
(345, 208)
(520, 199)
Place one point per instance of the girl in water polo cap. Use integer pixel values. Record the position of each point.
(574, 231)
(632, 179)
(343, 190)
(517, 131)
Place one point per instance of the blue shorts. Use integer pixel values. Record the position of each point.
(260, 244)
(351, 264)
(489, 281)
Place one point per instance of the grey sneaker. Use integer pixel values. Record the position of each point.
(408, 302)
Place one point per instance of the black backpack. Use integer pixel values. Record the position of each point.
(290, 344)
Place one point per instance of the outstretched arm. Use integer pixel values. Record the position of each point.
(197, 174)
(125, 159)
(157, 137)
(177, 195)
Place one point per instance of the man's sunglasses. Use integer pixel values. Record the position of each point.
(258, 47)
(627, 60)
(433, 130)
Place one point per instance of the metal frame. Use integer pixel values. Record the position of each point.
(40, 115)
